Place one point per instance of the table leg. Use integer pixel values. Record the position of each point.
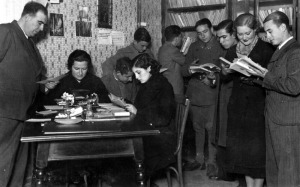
(139, 161)
(41, 163)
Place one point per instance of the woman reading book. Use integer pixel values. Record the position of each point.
(155, 104)
(245, 151)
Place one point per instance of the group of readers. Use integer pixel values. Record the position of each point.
(251, 122)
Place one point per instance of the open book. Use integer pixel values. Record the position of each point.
(117, 100)
(244, 65)
(208, 67)
(185, 46)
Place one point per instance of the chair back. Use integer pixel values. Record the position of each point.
(182, 111)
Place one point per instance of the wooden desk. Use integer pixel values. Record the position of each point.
(116, 143)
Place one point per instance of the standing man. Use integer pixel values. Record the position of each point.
(282, 82)
(20, 69)
(142, 41)
(171, 58)
(202, 94)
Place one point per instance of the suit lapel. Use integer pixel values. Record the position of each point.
(31, 48)
(279, 53)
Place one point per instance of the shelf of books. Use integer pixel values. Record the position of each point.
(266, 7)
(265, 11)
(185, 13)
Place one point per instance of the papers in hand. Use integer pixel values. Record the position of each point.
(245, 66)
(208, 67)
(52, 79)
(117, 100)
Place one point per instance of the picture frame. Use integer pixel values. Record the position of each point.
(56, 24)
(105, 14)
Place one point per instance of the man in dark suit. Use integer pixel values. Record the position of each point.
(20, 69)
(282, 82)
(170, 57)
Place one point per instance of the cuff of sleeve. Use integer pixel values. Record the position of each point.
(268, 80)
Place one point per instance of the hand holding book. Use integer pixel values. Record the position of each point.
(246, 66)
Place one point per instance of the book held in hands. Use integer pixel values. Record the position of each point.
(208, 67)
(245, 66)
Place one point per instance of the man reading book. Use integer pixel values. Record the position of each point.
(203, 97)
(282, 82)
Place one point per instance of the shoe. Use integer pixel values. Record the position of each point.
(190, 166)
(212, 172)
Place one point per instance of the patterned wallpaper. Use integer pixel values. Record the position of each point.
(151, 13)
(56, 49)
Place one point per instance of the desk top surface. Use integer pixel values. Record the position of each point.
(34, 132)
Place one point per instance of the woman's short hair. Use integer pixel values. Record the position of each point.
(123, 65)
(227, 25)
(80, 56)
(278, 18)
(248, 20)
(144, 61)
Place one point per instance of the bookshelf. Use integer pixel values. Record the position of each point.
(263, 8)
(185, 13)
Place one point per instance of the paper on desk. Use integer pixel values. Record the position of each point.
(52, 79)
(46, 112)
(54, 107)
(38, 120)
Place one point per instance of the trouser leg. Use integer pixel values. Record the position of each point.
(198, 126)
(203, 118)
(9, 144)
(286, 150)
(271, 164)
(19, 170)
(209, 127)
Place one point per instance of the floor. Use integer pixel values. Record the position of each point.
(198, 178)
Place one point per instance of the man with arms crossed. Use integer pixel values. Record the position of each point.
(20, 69)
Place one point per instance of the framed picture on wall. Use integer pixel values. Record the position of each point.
(105, 14)
(56, 25)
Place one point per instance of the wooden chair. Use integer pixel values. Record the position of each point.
(180, 122)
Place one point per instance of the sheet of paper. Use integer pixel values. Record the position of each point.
(38, 120)
(118, 38)
(54, 107)
(54, 1)
(104, 37)
(52, 79)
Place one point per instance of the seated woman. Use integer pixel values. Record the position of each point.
(155, 104)
(80, 76)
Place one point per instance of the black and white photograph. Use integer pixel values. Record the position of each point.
(56, 24)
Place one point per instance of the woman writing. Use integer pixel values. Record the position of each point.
(155, 105)
(245, 148)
